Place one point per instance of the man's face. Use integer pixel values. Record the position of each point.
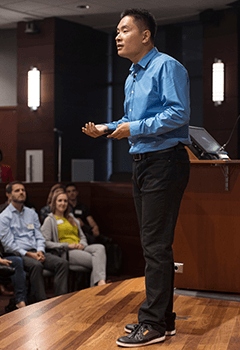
(71, 193)
(129, 39)
(18, 194)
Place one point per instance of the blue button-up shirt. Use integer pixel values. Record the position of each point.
(157, 103)
(20, 231)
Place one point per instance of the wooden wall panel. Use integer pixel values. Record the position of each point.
(35, 128)
(8, 136)
(45, 36)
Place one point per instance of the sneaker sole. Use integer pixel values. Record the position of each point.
(132, 345)
(170, 333)
(167, 333)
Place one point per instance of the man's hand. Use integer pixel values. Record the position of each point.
(95, 231)
(80, 221)
(93, 130)
(121, 131)
(94, 226)
(41, 256)
(37, 256)
(5, 262)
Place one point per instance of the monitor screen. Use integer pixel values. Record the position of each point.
(204, 139)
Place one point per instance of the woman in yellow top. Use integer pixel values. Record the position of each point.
(62, 230)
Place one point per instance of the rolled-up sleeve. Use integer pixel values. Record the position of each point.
(6, 236)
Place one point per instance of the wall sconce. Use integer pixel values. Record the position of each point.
(218, 82)
(34, 88)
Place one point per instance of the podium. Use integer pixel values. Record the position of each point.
(207, 239)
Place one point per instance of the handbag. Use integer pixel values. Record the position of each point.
(6, 271)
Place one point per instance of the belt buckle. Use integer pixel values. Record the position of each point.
(137, 157)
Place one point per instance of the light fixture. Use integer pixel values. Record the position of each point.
(84, 7)
(34, 88)
(31, 28)
(218, 82)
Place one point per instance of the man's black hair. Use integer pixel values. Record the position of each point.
(70, 184)
(1, 156)
(144, 16)
(10, 185)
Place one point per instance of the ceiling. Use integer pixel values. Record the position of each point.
(102, 14)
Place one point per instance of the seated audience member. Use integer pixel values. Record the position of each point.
(47, 209)
(5, 171)
(18, 279)
(62, 231)
(4, 281)
(20, 233)
(82, 212)
(8, 201)
(3, 289)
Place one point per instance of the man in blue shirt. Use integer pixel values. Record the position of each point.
(156, 123)
(20, 233)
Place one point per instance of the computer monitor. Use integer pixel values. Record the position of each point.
(205, 145)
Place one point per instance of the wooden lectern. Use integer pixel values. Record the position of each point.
(207, 237)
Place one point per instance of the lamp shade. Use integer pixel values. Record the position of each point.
(218, 82)
(34, 88)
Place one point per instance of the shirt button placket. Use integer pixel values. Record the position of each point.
(132, 91)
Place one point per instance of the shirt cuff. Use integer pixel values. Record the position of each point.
(22, 252)
(41, 248)
(134, 128)
(110, 126)
(65, 246)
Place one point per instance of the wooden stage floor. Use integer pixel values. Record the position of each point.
(94, 318)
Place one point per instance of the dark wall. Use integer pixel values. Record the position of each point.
(80, 93)
(220, 40)
(72, 60)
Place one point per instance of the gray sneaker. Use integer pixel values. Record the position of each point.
(144, 334)
(129, 328)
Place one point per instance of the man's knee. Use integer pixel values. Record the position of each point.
(17, 262)
(34, 265)
(61, 264)
(65, 264)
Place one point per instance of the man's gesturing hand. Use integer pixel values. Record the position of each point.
(93, 130)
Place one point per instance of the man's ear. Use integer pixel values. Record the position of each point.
(9, 196)
(146, 36)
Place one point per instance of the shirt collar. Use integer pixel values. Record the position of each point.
(144, 61)
(12, 208)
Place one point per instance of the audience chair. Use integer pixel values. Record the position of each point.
(79, 277)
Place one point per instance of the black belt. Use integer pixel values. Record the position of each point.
(140, 156)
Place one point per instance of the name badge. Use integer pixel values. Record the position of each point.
(60, 221)
(78, 211)
(30, 226)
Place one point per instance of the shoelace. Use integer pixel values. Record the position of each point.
(138, 328)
